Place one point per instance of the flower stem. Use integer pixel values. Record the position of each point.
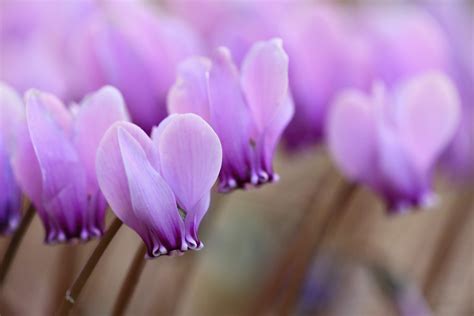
(189, 263)
(328, 202)
(15, 243)
(75, 290)
(311, 242)
(130, 282)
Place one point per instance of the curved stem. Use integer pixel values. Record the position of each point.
(449, 237)
(15, 242)
(328, 202)
(75, 290)
(66, 268)
(189, 264)
(331, 216)
(130, 282)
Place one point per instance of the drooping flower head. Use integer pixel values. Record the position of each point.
(248, 109)
(408, 41)
(332, 48)
(391, 140)
(148, 181)
(55, 161)
(314, 37)
(11, 117)
(456, 20)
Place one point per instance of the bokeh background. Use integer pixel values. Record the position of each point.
(307, 245)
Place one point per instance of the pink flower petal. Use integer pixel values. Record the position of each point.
(152, 200)
(190, 92)
(111, 175)
(351, 134)
(95, 115)
(190, 157)
(428, 114)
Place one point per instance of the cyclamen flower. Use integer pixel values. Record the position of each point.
(131, 46)
(407, 41)
(315, 40)
(55, 161)
(456, 21)
(391, 141)
(11, 116)
(371, 43)
(33, 35)
(148, 181)
(248, 110)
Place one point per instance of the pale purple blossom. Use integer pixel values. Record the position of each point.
(392, 139)
(248, 109)
(54, 162)
(135, 48)
(148, 182)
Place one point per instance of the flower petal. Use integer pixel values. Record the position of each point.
(111, 175)
(275, 129)
(12, 115)
(95, 115)
(190, 157)
(351, 134)
(63, 177)
(26, 167)
(265, 80)
(190, 92)
(193, 220)
(124, 68)
(401, 184)
(230, 117)
(428, 114)
(152, 200)
(10, 199)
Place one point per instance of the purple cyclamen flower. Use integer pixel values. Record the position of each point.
(315, 40)
(55, 161)
(11, 117)
(33, 35)
(131, 46)
(392, 140)
(407, 41)
(457, 22)
(147, 182)
(373, 43)
(248, 110)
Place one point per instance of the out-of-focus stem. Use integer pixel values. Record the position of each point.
(449, 237)
(15, 242)
(311, 242)
(328, 203)
(406, 298)
(190, 263)
(130, 282)
(75, 290)
(276, 278)
(67, 266)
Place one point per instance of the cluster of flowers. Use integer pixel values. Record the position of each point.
(389, 94)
